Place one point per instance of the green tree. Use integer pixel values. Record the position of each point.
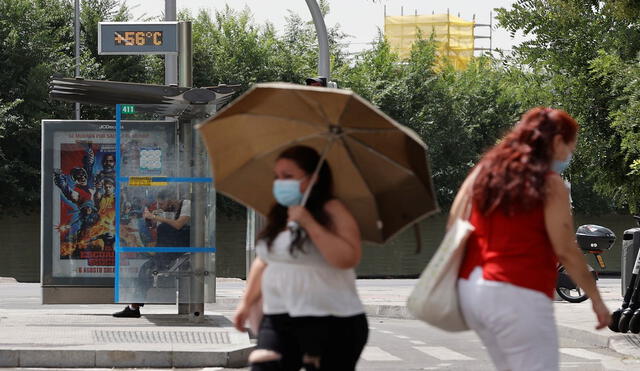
(566, 37)
(459, 114)
(37, 41)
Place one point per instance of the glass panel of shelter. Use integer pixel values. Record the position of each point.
(156, 257)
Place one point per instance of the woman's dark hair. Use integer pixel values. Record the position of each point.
(166, 194)
(170, 196)
(513, 173)
(306, 158)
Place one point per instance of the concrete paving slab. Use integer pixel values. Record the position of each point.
(91, 337)
(198, 359)
(576, 320)
(38, 357)
(9, 358)
(133, 358)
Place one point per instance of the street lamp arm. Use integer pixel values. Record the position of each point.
(323, 40)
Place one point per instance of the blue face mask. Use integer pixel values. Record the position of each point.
(560, 166)
(287, 192)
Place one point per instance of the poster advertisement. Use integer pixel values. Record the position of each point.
(82, 188)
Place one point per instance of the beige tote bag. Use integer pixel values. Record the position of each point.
(434, 298)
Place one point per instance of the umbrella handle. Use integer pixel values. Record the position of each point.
(293, 226)
(297, 233)
(314, 176)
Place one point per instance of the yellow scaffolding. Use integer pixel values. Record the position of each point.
(454, 35)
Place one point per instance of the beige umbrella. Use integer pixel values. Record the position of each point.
(379, 167)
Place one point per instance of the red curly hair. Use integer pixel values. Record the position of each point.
(513, 173)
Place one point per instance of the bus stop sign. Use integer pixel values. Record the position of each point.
(127, 38)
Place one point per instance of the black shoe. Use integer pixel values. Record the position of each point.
(128, 312)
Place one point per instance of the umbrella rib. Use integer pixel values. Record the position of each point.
(364, 180)
(318, 107)
(383, 156)
(349, 130)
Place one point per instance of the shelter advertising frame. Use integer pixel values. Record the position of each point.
(77, 207)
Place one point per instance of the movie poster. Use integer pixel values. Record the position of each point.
(84, 183)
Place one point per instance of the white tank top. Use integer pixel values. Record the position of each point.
(304, 284)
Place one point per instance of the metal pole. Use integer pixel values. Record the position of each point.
(77, 53)
(448, 34)
(198, 224)
(490, 32)
(170, 61)
(186, 55)
(198, 200)
(473, 33)
(323, 39)
(250, 240)
(255, 223)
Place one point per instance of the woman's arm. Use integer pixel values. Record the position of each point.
(252, 293)
(340, 245)
(559, 225)
(175, 223)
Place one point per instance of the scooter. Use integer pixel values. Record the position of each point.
(627, 314)
(631, 289)
(631, 314)
(592, 239)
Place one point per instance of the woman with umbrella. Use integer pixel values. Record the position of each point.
(313, 317)
(382, 185)
(523, 225)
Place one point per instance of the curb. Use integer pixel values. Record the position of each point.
(64, 357)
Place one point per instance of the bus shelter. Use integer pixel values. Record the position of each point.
(165, 207)
(129, 209)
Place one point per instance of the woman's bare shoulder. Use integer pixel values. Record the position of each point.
(335, 206)
(554, 180)
(555, 185)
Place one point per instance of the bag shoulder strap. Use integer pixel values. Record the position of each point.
(462, 204)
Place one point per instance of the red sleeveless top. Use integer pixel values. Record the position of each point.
(514, 249)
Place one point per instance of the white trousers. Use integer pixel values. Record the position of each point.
(516, 325)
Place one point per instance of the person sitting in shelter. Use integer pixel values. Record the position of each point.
(172, 217)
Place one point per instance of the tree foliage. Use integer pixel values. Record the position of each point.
(585, 51)
(37, 41)
(459, 114)
(580, 56)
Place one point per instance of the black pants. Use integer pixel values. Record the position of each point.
(336, 341)
(167, 237)
(157, 262)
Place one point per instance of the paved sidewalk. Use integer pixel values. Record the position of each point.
(577, 321)
(35, 335)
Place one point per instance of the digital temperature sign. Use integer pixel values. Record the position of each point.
(138, 38)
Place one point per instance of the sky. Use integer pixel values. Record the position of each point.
(360, 19)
